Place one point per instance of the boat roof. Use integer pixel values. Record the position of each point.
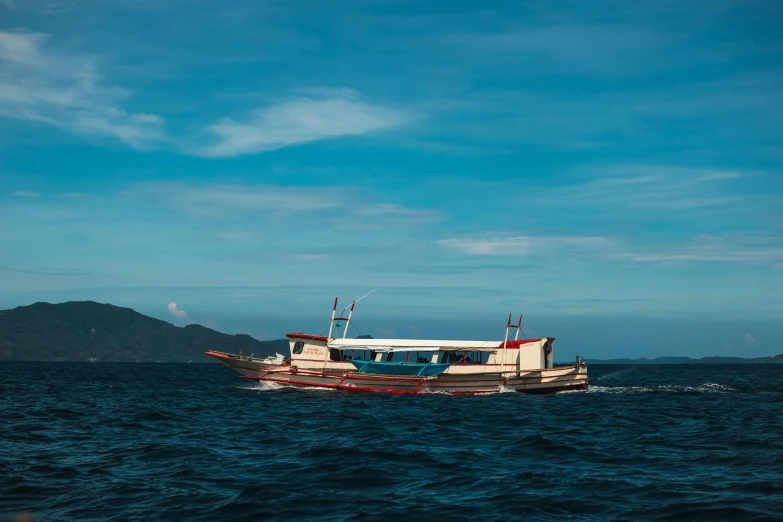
(414, 345)
(424, 345)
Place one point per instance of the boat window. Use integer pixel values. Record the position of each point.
(358, 355)
(298, 347)
(406, 357)
(335, 355)
(461, 357)
(451, 356)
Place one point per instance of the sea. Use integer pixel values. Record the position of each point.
(193, 442)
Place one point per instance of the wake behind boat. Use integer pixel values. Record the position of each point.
(414, 365)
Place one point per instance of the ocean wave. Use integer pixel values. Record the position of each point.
(188, 442)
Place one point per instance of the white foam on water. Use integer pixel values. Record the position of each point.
(619, 389)
(563, 392)
(266, 386)
(261, 386)
(709, 387)
(713, 386)
(312, 388)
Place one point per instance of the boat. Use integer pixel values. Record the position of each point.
(414, 366)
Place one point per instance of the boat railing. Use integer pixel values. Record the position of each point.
(363, 365)
(423, 368)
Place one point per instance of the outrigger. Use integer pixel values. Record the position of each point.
(415, 365)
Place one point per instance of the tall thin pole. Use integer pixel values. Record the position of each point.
(329, 337)
(331, 322)
(348, 321)
(505, 340)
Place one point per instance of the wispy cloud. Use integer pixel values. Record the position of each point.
(600, 48)
(25, 194)
(426, 265)
(727, 248)
(649, 187)
(522, 245)
(49, 271)
(731, 248)
(299, 121)
(56, 8)
(232, 199)
(382, 215)
(689, 119)
(40, 84)
(288, 251)
(334, 206)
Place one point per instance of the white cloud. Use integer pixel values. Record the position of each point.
(600, 48)
(26, 194)
(521, 245)
(733, 248)
(56, 8)
(42, 85)
(729, 248)
(749, 339)
(383, 215)
(231, 199)
(341, 207)
(650, 187)
(298, 121)
(176, 312)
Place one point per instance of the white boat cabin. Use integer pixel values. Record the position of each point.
(319, 352)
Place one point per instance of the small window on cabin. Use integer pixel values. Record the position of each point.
(462, 357)
(453, 357)
(335, 355)
(298, 347)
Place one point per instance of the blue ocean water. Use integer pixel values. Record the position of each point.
(95, 441)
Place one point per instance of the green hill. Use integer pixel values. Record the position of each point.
(78, 331)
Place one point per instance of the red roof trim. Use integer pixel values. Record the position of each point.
(301, 335)
(516, 344)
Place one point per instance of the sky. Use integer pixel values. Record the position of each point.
(611, 170)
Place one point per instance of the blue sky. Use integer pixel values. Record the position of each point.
(610, 169)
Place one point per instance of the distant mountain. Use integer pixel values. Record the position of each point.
(777, 359)
(79, 331)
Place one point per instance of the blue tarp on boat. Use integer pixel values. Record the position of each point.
(401, 368)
